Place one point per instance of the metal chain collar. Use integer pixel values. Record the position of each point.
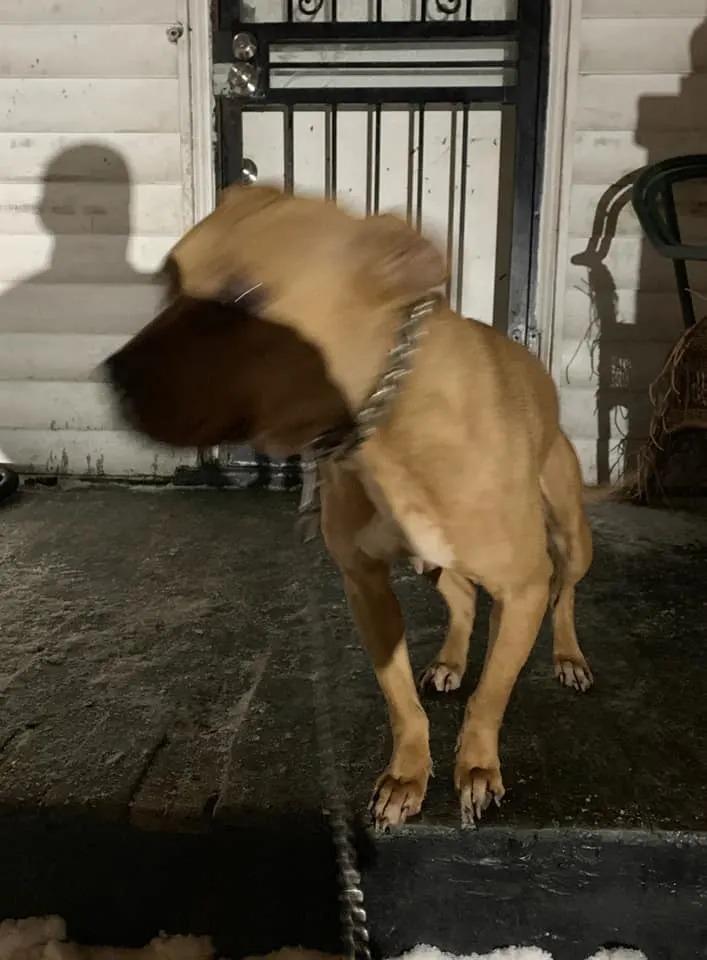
(399, 365)
(353, 915)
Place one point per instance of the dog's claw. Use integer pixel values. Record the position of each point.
(395, 800)
(574, 674)
(479, 789)
(441, 677)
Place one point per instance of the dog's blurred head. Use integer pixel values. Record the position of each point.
(274, 303)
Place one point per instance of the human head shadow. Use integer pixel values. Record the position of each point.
(85, 211)
(628, 342)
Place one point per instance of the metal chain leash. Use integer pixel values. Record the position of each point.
(354, 927)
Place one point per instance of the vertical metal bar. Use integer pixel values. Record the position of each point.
(379, 10)
(369, 161)
(679, 266)
(290, 11)
(411, 161)
(423, 10)
(289, 148)
(420, 164)
(330, 123)
(232, 146)
(377, 161)
(462, 209)
(450, 207)
(468, 9)
(504, 219)
(334, 11)
(526, 193)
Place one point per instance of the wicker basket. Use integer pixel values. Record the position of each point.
(679, 398)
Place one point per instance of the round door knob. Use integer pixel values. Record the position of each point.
(243, 79)
(249, 171)
(244, 46)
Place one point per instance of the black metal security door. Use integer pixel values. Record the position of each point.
(432, 107)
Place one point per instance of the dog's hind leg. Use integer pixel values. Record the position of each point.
(570, 543)
(446, 671)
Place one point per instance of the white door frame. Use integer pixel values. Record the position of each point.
(557, 174)
(200, 150)
(554, 210)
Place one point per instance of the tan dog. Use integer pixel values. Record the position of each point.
(283, 314)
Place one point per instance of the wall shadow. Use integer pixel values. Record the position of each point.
(628, 351)
(86, 286)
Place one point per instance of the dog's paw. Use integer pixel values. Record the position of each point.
(478, 788)
(574, 673)
(442, 677)
(396, 799)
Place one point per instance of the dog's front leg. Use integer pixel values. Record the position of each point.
(347, 511)
(515, 622)
(401, 788)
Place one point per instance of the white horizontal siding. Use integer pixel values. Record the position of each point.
(93, 193)
(602, 157)
(37, 51)
(58, 405)
(88, 259)
(641, 90)
(89, 106)
(640, 9)
(633, 266)
(88, 11)
(658, 311)
(56, 356)
(92, 208)
(642, 103)
(77, 308)
(617, 47)
(139, 157)
(692, 211)
(90, 453)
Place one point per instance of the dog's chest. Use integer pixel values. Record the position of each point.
(381, 538)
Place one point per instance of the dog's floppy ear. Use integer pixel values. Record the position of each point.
(204, 255)
(397, 260)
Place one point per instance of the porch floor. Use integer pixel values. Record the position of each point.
(157, 757)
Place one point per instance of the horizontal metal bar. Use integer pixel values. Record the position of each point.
(371, 33)
(472, 66)
(491, 96)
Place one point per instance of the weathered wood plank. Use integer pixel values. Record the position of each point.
(77, 308)
(90, 453)
(659, 45)
(662, 102)
(97, 11)
(55, 356)
(112, 51)
(75, 106)
(79, 258)
(131, 158)
(92, 208)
